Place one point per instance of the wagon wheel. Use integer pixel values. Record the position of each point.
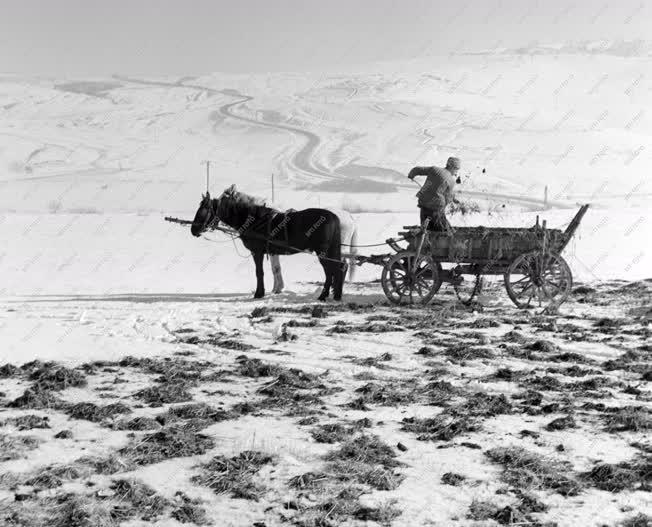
(467, 286)
(408, 280)
(538, 277)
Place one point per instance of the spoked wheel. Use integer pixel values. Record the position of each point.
(538, 278)
(467, 286)
(408, 280)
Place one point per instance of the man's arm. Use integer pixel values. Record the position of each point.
(420, 171)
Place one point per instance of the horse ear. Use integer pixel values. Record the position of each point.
(230, 190)
(208, 195)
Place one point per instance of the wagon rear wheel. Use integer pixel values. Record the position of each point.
(538, 278)
(408, 280)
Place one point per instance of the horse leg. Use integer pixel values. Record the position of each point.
(275, 260)
(260, 282)
(329, 279)
(338, 279)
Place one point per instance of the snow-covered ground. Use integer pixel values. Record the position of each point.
(90, 271)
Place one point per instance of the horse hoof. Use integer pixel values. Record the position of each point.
(337, 298)
(322, 298)
(259, 295)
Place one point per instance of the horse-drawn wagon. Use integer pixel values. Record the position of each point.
(528, 258)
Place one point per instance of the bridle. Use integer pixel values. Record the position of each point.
(212, 219)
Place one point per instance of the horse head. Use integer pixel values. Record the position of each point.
(205, 216)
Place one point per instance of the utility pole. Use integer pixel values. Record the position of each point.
(208, 173)
(545, 197)
(273, 201)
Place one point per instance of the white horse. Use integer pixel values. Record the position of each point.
(349, 237)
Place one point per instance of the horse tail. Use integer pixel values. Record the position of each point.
(353, 250)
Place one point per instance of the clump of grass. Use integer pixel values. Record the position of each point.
(196, 415)
(296, 323)
(169, 369)
(294, 390)
(640, 520)
(111, 464)
(384, 514)
(234, 476)
(481, 510)
(15, 446)
(362, 462)
(365, 448)
(81, 511)
(308, 480)
(198, 411)
(627, 475)
(137, 424)
(629, 418)
(8, 370)
(543, 383)
(464, 352)
(158, 395)
(442, 427)
(96, 414)
(609, 325)
(331, 433)
(389, 393)
(530, 398)
(28, 422)
(573, 371)
(440, 392)
(515, 336)
(52, 377)
(53, 475)
(451, 478)
(526, 470)
(230, 344)
(594, 383)
(257, 368)
(485, 405)
(189, 510)
(37, 400)
(631, 360)
(545, 346)
(377, 477)
(259, 312)
(569, 356)
(376, 362)
(365, 460)
(561, 423)
(485, 322)
(507, 374)
(167, 443)
(144, 501)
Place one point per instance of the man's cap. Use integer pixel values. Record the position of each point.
(453, 162)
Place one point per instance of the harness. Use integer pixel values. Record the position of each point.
(272, 229)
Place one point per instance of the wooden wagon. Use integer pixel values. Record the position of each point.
(528, 258)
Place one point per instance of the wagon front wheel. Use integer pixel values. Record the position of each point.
(538, 278)
(407, 279)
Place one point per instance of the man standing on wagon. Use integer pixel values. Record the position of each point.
(436, 192)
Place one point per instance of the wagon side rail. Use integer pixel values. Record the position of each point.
(572, 227)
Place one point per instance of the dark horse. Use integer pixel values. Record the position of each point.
(264, 230)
